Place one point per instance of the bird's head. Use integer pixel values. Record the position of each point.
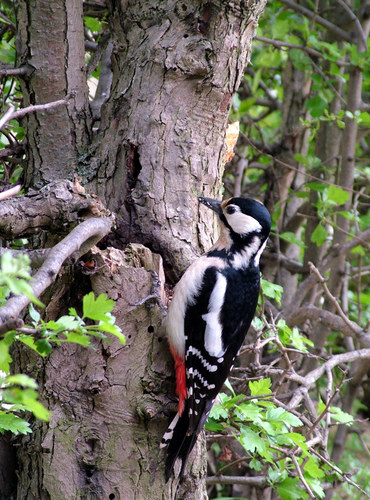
(241, 216)
(244, 223)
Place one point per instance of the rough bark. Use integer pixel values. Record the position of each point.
(50, 44)
(54, 209)
(109, 404)
(175, 69)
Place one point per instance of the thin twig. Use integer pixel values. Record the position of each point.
(331, 297)
(11, 114)
(320, 20)
(336, 469)
(312, 52)
(301, 477)
(355, 19)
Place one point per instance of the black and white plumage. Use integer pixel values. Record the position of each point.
(210, 313)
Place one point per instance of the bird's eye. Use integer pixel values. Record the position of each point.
(230, 210)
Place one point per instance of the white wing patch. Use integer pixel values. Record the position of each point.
(213, 334)
(185, 294)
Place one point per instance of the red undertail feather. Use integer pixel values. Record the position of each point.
(180, 379)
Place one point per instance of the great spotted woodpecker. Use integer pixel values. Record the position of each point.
(210, 313)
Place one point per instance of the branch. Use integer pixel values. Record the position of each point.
(11, 114)
(54, 207)
(271, 151)
(312, 52)
(353, 18)
(331, 297)
(77, 243)
(10, 192)
(320, 20)
(14, 71)
(314, 375)
(329, 319)
(334, 254)
(278, 44)
(258, 481)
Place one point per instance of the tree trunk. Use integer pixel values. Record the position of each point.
(175, 69)
(50, 44)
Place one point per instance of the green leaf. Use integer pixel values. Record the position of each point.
(274, 414)
(300, 59)
(248, 411)
(272, 290)
(97, 309)
(67, 323)
(291, 419)
(315, 486)
(229, 386)
(213, 426)
(35, 315)
(313, 469)
(246, 105)
(319, 235)
(316, 105)
(77, 338)
(260, 387)
(308, 160)
(255, 465)
(291, 238)
(288, 489)
(298, 439)
(29, 399)
(112, 329)
(14, 424)
(43, 346)
(93, 24)
(340, 416)
(5, 358)
(218, 412)
(21, 379)
(364, 119)
(251, 441)
(299, 341)
(29, 341)
(337, 195)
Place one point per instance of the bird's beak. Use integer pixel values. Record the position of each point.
(214, 205)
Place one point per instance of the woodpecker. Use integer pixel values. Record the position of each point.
(212, 308)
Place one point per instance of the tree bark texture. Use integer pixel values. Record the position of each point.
(50, 44)
(175, 67)
(109, 404)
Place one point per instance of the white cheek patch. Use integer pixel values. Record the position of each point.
(242, 224)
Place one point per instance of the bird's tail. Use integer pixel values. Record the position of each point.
(179, 443)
